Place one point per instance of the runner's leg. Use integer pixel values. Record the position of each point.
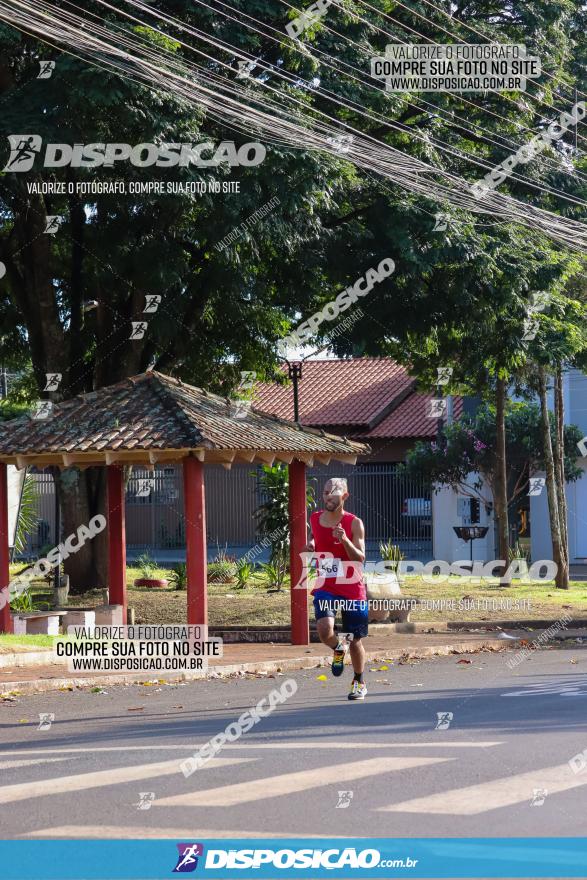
(358, 656)
(325, 627)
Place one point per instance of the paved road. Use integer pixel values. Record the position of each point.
(511, 736)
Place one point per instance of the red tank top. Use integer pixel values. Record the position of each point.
(344, 580)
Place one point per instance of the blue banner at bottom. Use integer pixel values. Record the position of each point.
(285, 858)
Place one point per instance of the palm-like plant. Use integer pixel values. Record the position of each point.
(272, 517)
(28, 516)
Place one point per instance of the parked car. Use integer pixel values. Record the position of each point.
(417, 513)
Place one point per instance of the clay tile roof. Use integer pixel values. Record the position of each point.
(338, 392)
(411, 419)
(156, 412)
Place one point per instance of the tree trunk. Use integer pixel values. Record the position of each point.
(500, 486)
(553, 506)
(559, 474)
(82, 495)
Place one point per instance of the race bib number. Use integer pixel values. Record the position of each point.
(329, 568)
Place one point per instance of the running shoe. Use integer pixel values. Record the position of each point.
(358, 690)
(340, 653)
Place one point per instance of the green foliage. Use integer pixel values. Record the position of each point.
(244, 573)
(178, 577)
(222, 569)
(28, 516)
(147, 566)
(391, 553)
(469, 446)
(274, 574)
(272, 515)
(333, 221)
(518, 552)
(25, 602)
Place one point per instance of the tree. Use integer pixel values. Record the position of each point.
(472, 446)
(332, 224)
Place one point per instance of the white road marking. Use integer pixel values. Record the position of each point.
(140, 833)
(485, 796)
(321, 744)
(113, 776)
(8, 765)
(574, 687)
(290, 783)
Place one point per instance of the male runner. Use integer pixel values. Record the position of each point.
(340, 583)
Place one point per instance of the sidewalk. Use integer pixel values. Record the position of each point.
(258, 658)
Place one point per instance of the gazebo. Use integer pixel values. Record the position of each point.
(151, 419)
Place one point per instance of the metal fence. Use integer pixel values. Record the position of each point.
(393, 507)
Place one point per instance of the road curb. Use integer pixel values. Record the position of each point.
(27, 658)
(266, 667)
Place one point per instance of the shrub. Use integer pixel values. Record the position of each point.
(179, 576)
(146, 566)
(244, 572)
(391, 553)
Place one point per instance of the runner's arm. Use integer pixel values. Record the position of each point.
(355, 548)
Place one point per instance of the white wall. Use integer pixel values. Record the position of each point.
(575, 398)
(446, 544)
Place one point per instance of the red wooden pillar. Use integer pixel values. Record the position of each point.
(298, 538)
(5, 616)
(194, 505)
(116, 538)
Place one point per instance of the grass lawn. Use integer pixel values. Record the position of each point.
(10, 643)
(454, 599)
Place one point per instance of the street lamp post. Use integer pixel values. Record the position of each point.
(294, 371)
